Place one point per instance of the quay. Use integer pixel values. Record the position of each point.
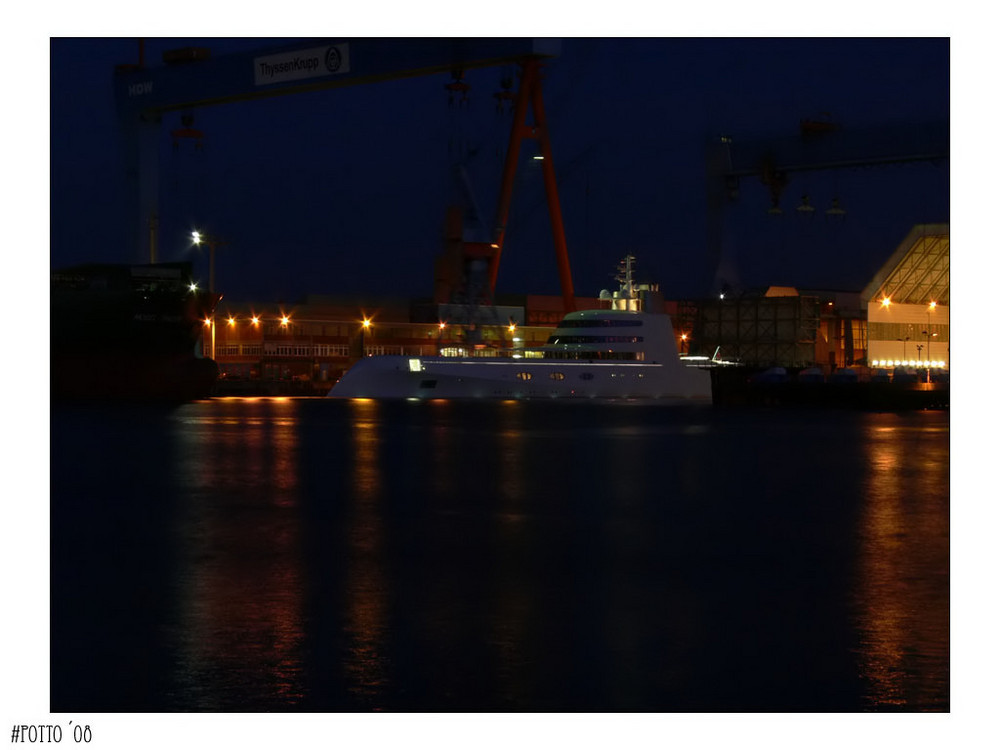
(892, 337)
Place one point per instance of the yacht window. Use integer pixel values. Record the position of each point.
(557, 376)
(605, 355)
(601, 323)
(586, 376)
(524, 376)
(563, 339)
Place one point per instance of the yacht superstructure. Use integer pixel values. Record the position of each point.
(619, 353)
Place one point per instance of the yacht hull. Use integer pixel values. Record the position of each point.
(619, 353)
(451, 378)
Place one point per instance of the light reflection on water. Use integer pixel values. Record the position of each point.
(366, 617)
(902, 591)
(445, 556)
(241, 609)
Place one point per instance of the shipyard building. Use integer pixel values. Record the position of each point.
(900, 319)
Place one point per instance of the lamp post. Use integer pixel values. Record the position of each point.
(930, 308)
(366, 323)
(199, 238)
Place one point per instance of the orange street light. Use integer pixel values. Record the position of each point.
(366, 323)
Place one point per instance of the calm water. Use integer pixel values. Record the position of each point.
(273, 555)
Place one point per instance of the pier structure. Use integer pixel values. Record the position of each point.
(306, 346)
(825, 334)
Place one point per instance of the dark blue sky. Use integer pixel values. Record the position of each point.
(346, 190)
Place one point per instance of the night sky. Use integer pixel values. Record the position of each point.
(345, 191)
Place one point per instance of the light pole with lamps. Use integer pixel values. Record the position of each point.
(904, 340)
(200, 238)
(930, 308)
(366, 323)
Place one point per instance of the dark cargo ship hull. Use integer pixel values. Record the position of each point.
(129, 332)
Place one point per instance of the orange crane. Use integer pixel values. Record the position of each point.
(191, 78)
(460, 254)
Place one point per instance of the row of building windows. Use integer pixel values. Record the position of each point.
(306, 350)
(277, 328)
(906, 331)
(238, 350)
(273, 349)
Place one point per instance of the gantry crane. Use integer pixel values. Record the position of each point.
(192, 78)
(821, 145)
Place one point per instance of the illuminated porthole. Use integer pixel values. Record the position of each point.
(524, 376)
(557, 376)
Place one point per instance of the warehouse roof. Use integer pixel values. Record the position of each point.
(918, 270)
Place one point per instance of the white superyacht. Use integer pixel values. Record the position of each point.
(619, 353)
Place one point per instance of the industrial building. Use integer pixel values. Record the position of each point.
(313, 342)
(778, 326)
(907, 303)
(899, 319)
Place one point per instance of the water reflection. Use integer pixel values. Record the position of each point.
(240, 593)
(902, 590)
(512, 602)
(442, 436)
(362, 555)
(366, 581)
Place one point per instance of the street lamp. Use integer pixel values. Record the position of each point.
(366, 323)
(200, 238)
(931, 307)
(904, 340)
